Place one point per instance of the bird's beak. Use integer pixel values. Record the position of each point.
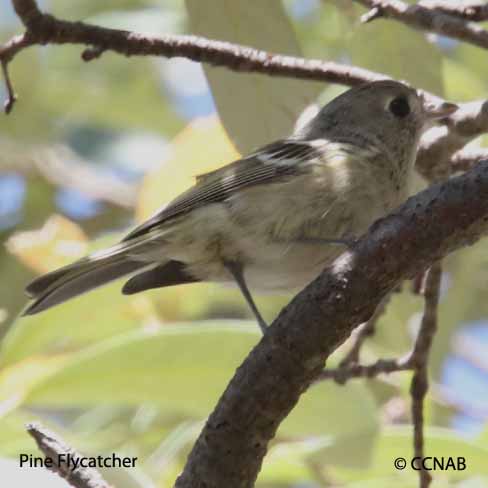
(435, 110)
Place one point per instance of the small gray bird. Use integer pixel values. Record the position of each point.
(272, 220)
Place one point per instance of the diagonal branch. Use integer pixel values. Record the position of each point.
(476, 11)
(44, 28)
(424, 18)
(439, 220)
(62, 457)
(350, 363)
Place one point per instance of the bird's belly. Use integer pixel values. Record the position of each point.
(272, 247)
(267, 266)
(290, 267)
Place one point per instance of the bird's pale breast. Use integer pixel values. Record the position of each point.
(279, 232)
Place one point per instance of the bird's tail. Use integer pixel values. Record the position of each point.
(83, 275)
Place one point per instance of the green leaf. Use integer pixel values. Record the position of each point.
(183, 368)
(255, 109)
(75, 324)
(347, 414)
(389, 47)
(395, 442)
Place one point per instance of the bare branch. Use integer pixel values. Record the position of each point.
(55, 449)
(46, 29)
(366, 331)
(418, 390)
(428, 326)
(435, 222)
(11, 96)
(476, 11)
(7, 52)
(468, 122)
(28, 11)
(427, 19)
(382, 366)
(416, 359)
(419, 358)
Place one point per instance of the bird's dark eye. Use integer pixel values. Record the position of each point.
(399, 107)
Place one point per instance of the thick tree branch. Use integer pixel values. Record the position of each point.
(56, 449)
(437, 221)
(424, 18)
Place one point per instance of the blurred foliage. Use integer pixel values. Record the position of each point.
(138, 375)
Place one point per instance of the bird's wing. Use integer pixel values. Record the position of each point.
(272, 163)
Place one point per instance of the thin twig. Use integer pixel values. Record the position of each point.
(7, 53)
(11, 96)
(439, 144)
(475, 11)
(382, 366)
(418, 389)
(366, 331)
(468, 122)
(416, 361)
(428, 327)
(419, 360)
(63, 458)
(46, 29)
(427, 19)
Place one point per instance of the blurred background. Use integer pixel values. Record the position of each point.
(92, 148)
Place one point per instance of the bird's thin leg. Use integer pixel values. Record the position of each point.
(235, 269)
